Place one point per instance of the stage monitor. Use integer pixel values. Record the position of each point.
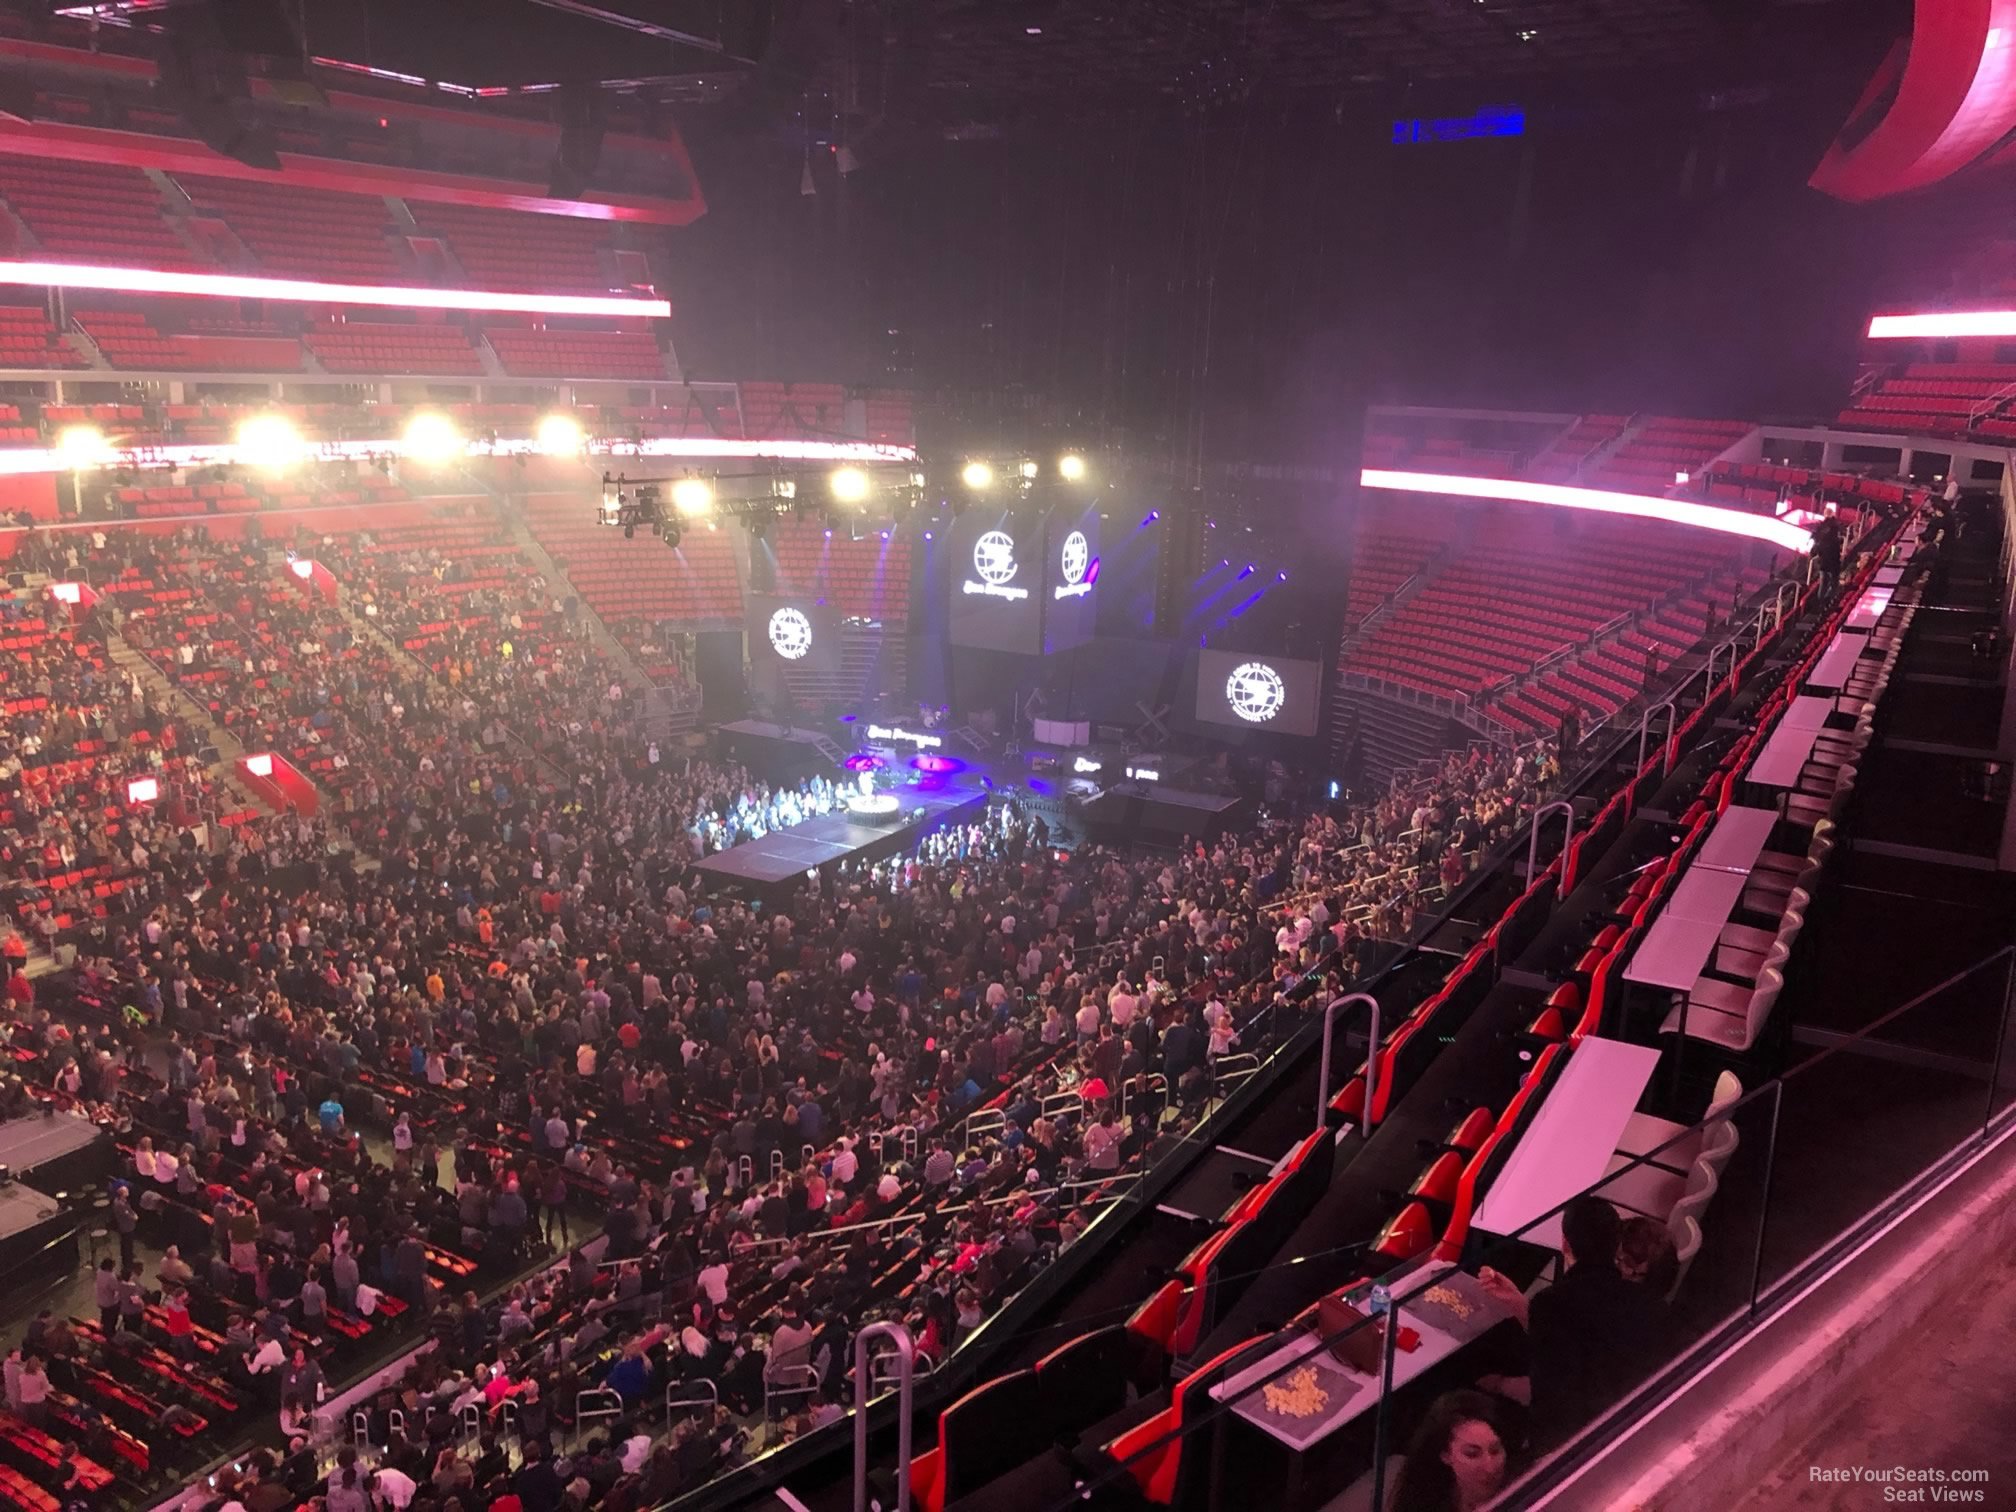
(1071, 596)
(998, 578)
(792, 633)
(1279, 694)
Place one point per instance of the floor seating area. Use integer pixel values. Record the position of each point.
(1661, 448)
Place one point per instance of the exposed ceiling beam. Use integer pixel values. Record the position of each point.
(628, 22)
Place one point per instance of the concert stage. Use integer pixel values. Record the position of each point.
(1149, 814)
(62, 1154)
(770, 867)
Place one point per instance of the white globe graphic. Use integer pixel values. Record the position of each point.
(790, 634)
(1077, 557)
(994, 557)
(1255, 692)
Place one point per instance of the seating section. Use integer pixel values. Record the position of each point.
(773, 410)
(1385, 559)
(28, 340)
(869, 577)
(1768, 485)
(1499, 605)
(1662, 447)
(498, 249)
(129, 340)
(1940, 399)
(96, 212)
(566, 353)
(355, 346)
(1570, 450)
(304, 233)
(640, 582)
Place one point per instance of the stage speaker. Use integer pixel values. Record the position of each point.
(582, 125)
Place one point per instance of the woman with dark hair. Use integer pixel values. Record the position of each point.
(1456, 1462)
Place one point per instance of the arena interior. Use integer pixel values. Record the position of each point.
(967, 756)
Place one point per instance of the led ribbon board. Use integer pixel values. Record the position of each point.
(51, 275)
(1780, 533)
(1943, 323)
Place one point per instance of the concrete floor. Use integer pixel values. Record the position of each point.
(1944, 1403)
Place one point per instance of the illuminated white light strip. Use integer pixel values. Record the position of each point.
(1944, 323)
(50, 275)
(1735, 522)
(24, 461)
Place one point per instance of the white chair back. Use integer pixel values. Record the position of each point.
(1686, 1232)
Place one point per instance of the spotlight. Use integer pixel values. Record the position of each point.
(1150, 518)
(693, 496)
(671, 536)
(849, 485)
(559, 435)
(977, 476)
(271, 442)
(432, 439)
(83, 446)
(1028, 469)
(1280, 577)
(1071, 467)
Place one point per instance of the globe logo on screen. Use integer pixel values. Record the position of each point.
(1255, 692)
(994, 557)
(1077, 557)
(790, 634)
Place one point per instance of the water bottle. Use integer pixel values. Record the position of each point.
(1382, 1300)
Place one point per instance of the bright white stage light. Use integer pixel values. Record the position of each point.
(1071, 467)
(1944, 323)
(850, 485)
(977, 476)
(559, 436)
(83, 446)
(270, 442)
(1028, 469)
(693, 496)
(1734, 522)
(433, 439)
(53, 275)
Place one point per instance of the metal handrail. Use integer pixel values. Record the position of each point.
(1559, 806)
(1645, 724)
(906, 1354)
(1330, 1013)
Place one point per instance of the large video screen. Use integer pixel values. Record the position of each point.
(998, 578)
(1071, 598)
(1274, 693)
(795, 633)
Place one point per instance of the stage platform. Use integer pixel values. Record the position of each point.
(774, 864)
(57, 1152)
(1151, 814)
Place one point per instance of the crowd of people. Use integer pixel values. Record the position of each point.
(503, 966)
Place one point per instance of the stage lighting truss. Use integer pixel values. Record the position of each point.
(755, 501)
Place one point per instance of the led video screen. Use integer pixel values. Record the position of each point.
(1275, 693)
(1071, 566)
(792, 632)
(997, 578)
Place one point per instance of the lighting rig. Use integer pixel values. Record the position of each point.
(668, 507)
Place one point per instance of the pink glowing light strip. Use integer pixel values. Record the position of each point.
(27, 460)
(1944, 323)
(49, 275)
(1735, 522)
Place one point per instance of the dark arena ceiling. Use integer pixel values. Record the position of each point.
(988, 62)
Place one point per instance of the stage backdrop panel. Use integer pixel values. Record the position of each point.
(1279, 694)
(791, 632)
(997, 581)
